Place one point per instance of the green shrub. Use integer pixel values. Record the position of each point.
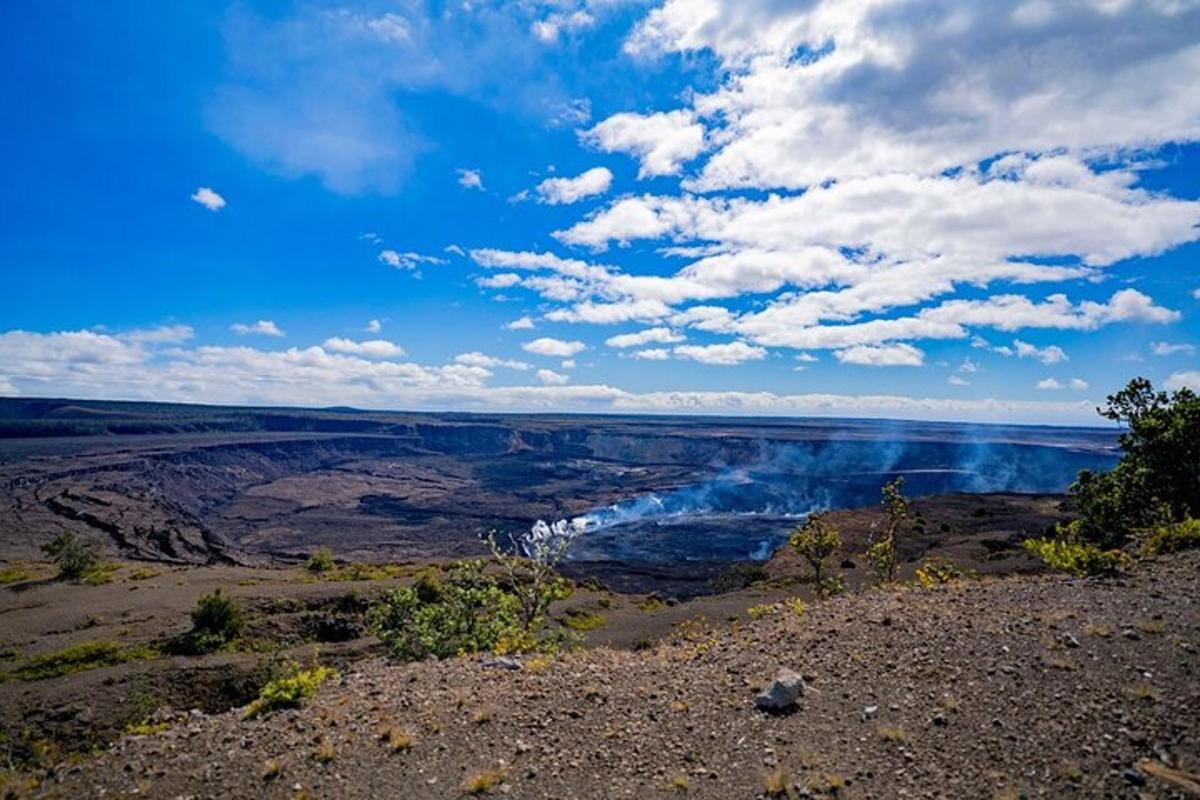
(289, 691)
(74, 556)
(815, 541)
(89, 655)
(1155, 481)
(320, 561)
(468, 612)
(739, 576)
(16, 573)
(1173, 538)
(583, 621)
(216, 621)
(881, 551)
(1067, 554)
(934, 570)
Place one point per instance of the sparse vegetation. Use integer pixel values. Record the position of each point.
(1173, 538)
(583, 621)
(320, 562)
(815, 541)
(74, 556)
(1067, 553)
(935, 570)
(16, 573)
(90, 655)
(881, 552)
(483, 782)
(216, 622)
(290, 691)
(776, 784)
(531, 567)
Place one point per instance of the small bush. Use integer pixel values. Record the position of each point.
(1078, 558)
(100, 574)
(936, 570)
(831, 585)
(466, 613)
(651, 604)
(1173, 538)
(761, 610)
(90, 655)
(16, 573)
(739, 576)
(216, 621)
(290, 691)
(583, 621)
(815, 541)
(320, 561)
(74, 556)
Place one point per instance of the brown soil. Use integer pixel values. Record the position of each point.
(1035, 686)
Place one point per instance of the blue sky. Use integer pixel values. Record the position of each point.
(908, 209)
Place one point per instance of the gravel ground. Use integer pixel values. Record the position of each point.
(1036, 686)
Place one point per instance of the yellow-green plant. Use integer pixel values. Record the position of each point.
(934, 570)
(1172, 538)
(320, 561)
(289, 691)
(1066, 553)
(882, 549)
(815, 541)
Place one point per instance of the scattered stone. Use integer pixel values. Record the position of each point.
(1070, 641)
(869, 713)
(782, 693)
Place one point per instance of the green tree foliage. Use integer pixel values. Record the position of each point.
(1173, 537)
(216, 621)
(320, 561)
(74, 556)
(1157, 481)
(882, 550)
(1066, 552)
(815, 541)
(465, 613)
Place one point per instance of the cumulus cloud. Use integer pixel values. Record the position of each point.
(556, 348)
(955, 380)
(372, 348)
(652, 354)
(209, 199)
(551, 378)
(470, 178)
(264, 327)
(891, 355)
(647, 336)
(1184, 379)
(720, 354)
(1051, 354)
(558, 191)
(1049, 383)
(1169, 349)
(374, 326)
(520, 324)
(662, 142)
(501, 280)
(478, 359)
(164, 334)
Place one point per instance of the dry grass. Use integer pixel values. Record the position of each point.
(891, 734)
(483, 782)
(272, 769)
(776, 784)
(324, 752)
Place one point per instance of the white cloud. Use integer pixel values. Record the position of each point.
(374, 326)
(556, 348)
(568, 363)
(807, 358)
(1012, 312)
(1052, 354)
(889, 355)
(968, 366)
(721, 354)
(520, 324)
(209, 199)
(501, 280)
(551, 378)
(372, 348)
(1184, 379)
(647, 336)
(955, 380)
(470, 178)
(1196, 293)
(478, 359)
(663, 142)
(164, 334)
(557, 191)
(1169, 349)
(652, 354)
(263, 327)
(410, 261)
(1078, 384)
(1049, 383)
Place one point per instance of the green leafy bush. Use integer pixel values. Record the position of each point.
(583, 621)
(320, 561)
(1173, 538)
(1157, 480)
(467, 612)
(74, 556)
(815, 541)
(881, 552)
(1067, 553)
(216, 621)
(935, 570)
(289, 691)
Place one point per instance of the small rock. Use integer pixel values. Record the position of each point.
(503, 662)
(783, 692)
(1134, 777)
(869, 713)
(1070, 641)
